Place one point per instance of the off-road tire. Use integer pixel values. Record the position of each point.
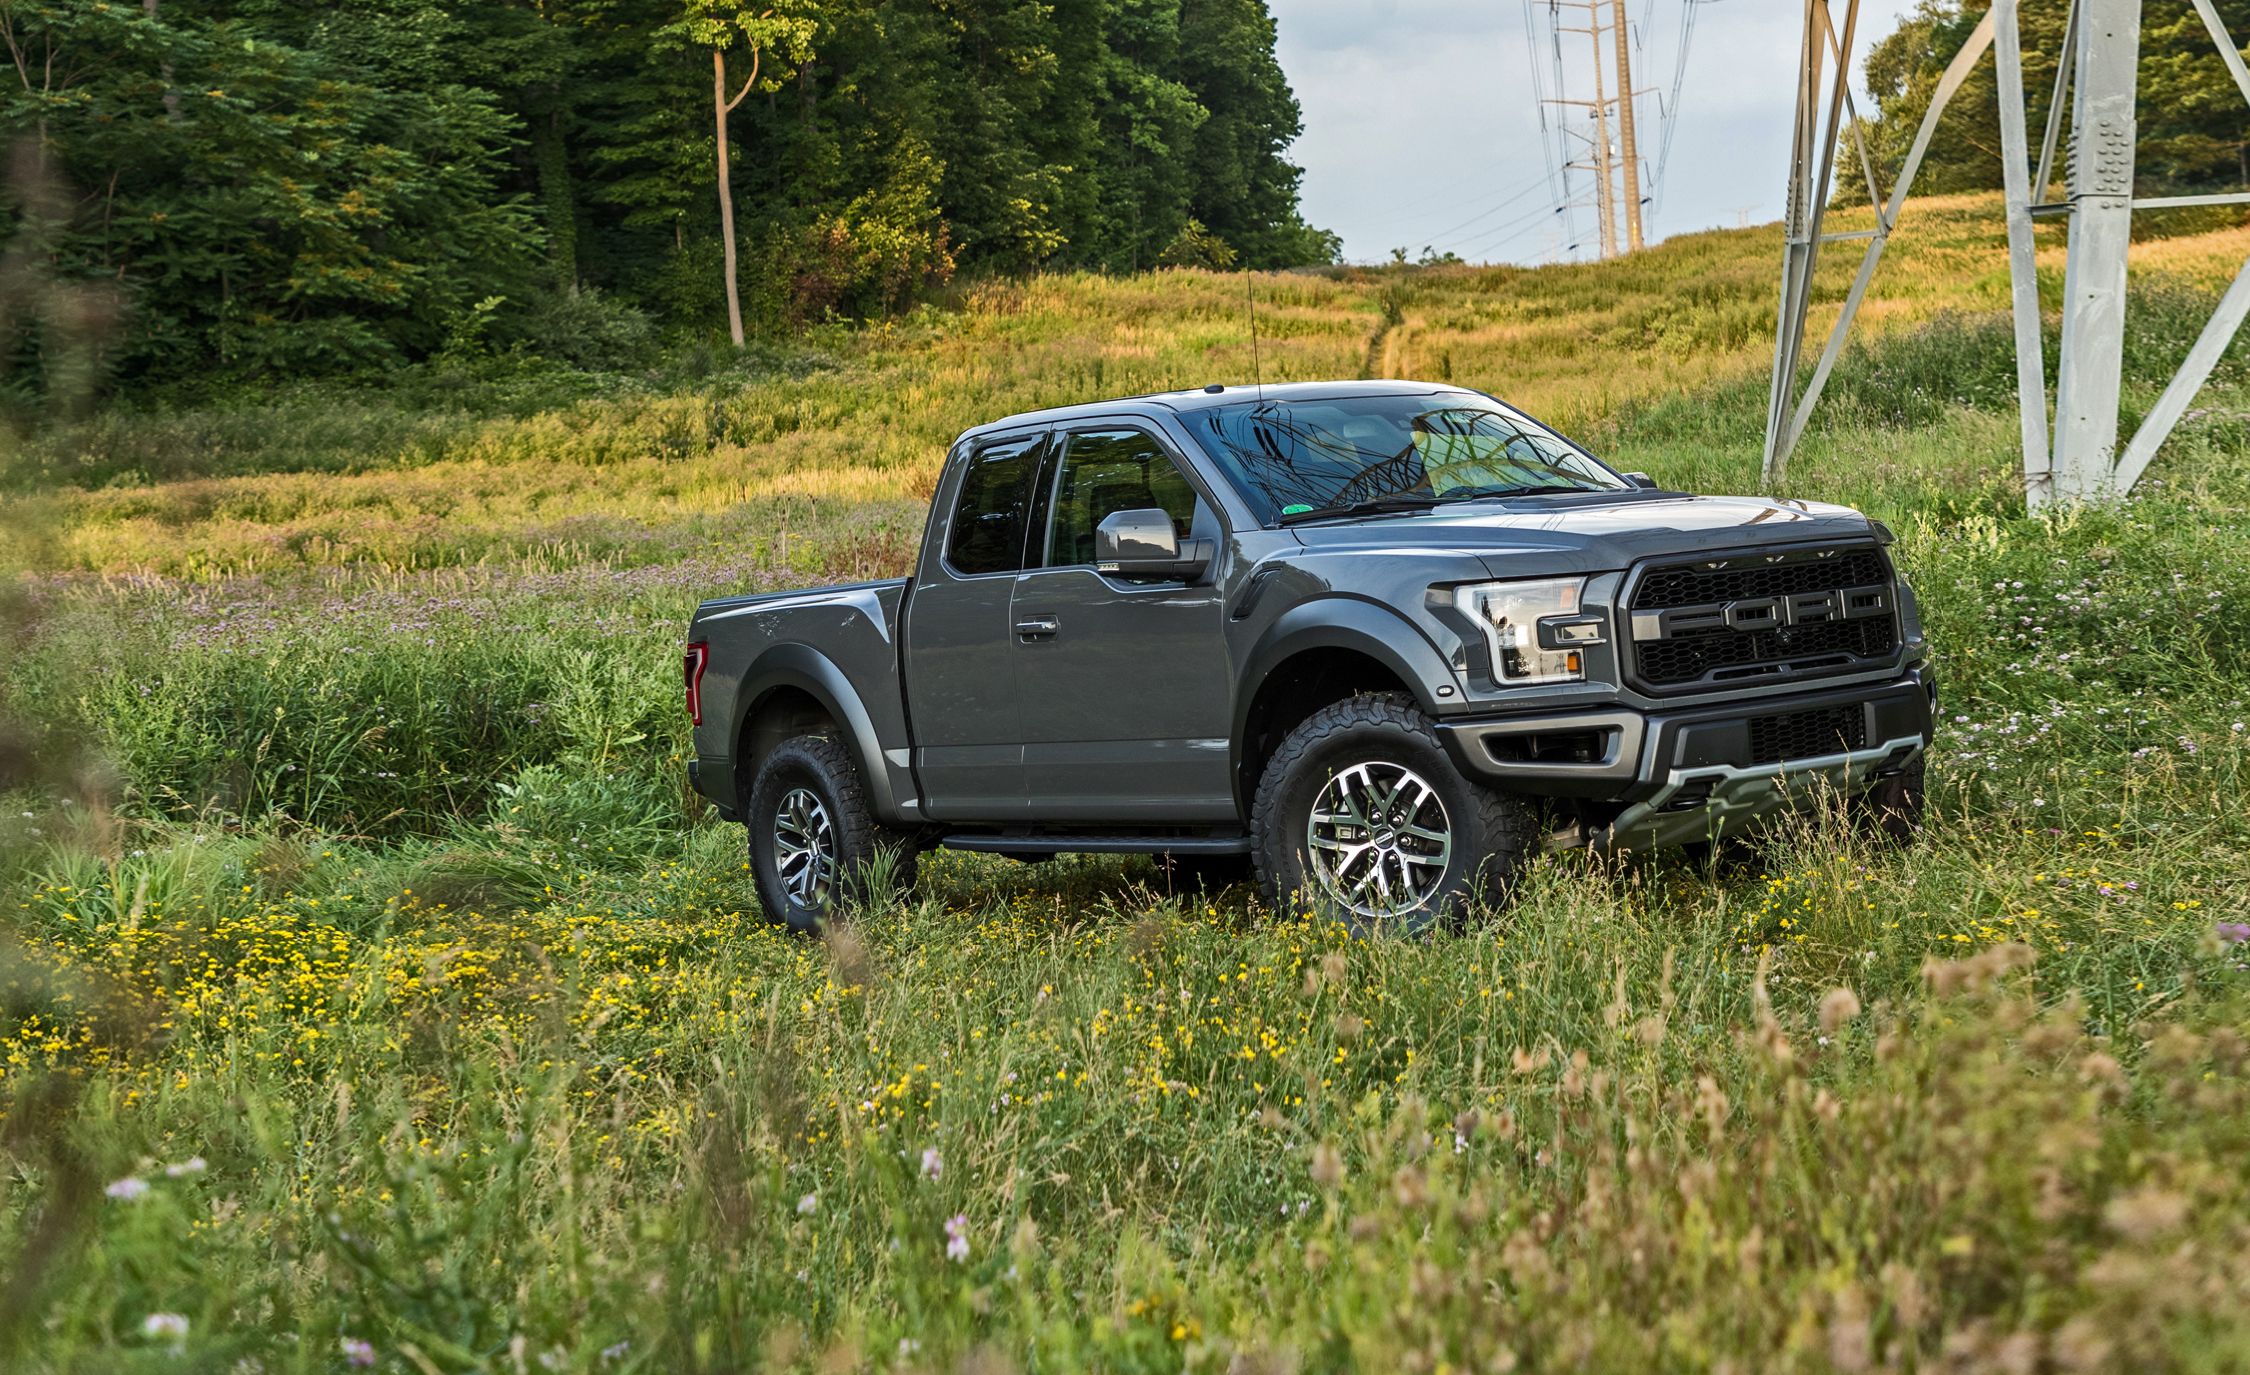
(1891, 811)
(1493, 834)
(821, 766)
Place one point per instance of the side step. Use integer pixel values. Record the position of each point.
(989, 844)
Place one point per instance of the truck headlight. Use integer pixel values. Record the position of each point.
(1534, 628)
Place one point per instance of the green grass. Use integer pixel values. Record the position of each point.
(345, 853)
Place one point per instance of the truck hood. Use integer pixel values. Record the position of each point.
(1592, 534)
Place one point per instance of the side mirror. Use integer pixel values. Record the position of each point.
(1142, 544)
(1642, 480)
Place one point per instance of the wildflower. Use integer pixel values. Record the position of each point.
(615, 1351)
(194, 1164)
(933, 1164)
(128, 1190)
(359, 1353)
(165, 1326)
(808, 1205)
(957, 1237)
(2234, 932)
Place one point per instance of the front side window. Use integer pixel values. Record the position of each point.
(991, 512)
(1104, 472)
(1292, 458)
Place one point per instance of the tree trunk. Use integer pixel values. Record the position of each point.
(719, 107)
(171, 92)
(551, 157)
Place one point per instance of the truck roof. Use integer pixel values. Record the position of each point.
(1202, 398)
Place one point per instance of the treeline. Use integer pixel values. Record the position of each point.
(257, 188)
(2194, 125)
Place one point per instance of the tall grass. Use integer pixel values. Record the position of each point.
(373, 994)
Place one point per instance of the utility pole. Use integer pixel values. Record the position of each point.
(2098, 64)
(1611, 164)
(2101, 228)
(1605, 193)
(1627, 151)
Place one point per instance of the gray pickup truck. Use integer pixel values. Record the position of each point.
(1378, 642)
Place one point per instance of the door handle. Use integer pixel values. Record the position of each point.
(1038, 627)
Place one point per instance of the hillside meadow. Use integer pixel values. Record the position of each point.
(374, 996)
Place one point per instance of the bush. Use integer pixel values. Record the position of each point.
(588, 329)
(1196, 246)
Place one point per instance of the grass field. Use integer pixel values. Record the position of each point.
(373, 994)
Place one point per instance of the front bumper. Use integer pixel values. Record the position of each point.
(1657, 763)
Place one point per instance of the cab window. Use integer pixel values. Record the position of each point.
(1106, 471)
(991, 512)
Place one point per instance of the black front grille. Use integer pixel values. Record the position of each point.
(1688, 660)
(1695, 586)
(1737, 617)
(1807, 734)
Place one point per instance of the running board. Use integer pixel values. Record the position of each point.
(1098, 845)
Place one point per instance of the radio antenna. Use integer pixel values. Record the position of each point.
(1250, 303)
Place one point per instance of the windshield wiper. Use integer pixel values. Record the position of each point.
(1522, 489)
(1373, 506)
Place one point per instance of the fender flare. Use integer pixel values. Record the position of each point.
(1365, 627)
(802, 667)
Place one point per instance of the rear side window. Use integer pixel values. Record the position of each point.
(994, 506)
(1106, 471)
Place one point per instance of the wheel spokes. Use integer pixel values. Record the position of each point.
(1378, 839)
(804, 845)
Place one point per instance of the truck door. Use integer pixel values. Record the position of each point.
(1122, 687)
(960, 691)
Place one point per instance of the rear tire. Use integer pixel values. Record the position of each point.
(1892, 810)
(1361, 813)
(813, 838)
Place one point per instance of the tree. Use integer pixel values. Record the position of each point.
(2193, 130)
(721, 26)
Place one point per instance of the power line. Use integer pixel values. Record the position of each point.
(1617, 40)
(1443, 234)
(1670, 110)
(1512, 229)
(1551, 149)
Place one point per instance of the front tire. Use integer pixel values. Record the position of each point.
(1361, 813)
(813, 839)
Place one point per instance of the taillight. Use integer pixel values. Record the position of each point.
(697, 659)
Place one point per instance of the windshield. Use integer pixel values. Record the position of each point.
(1299, 458)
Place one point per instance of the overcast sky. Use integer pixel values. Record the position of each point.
(1422, 128)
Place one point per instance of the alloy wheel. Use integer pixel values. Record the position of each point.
(1379, 839)
(804, 848)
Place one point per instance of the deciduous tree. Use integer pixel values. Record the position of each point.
(725, 26)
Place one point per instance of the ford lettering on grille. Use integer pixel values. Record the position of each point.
(1763, 613)
(1805, 611)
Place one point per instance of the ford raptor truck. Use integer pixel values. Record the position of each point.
(1377, 643)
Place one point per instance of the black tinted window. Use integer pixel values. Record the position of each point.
(1105, 471)
(989, 516)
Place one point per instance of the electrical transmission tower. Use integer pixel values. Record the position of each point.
(2096, 72)
(1615, 164)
